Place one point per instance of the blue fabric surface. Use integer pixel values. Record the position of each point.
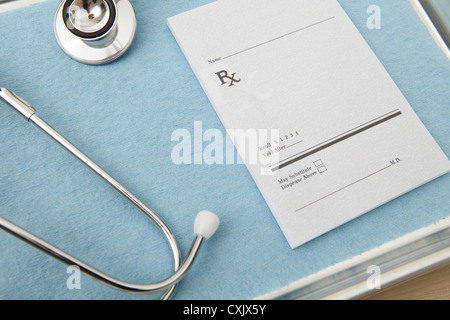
(123, 115)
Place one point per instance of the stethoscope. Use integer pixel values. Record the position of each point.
(95, 31)
(99, 31)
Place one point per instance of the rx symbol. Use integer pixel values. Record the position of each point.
(223, 75)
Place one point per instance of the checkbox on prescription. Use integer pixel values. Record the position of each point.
(322, 169)
(318, 163)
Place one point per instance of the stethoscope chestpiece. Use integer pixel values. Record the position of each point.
(95, 31)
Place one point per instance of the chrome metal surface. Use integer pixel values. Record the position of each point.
(169, 284)
(89, 15)
(20, 105)
(81, 35)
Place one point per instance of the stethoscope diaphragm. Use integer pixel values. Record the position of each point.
(95, 31)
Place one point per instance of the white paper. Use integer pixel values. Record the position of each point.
(348, 139)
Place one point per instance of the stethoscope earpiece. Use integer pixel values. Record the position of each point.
(95, 31)
(205, 225)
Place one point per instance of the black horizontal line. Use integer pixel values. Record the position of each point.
(384, 115)
(285, 35)
(294, 144)
(333, 142)
(344, 187)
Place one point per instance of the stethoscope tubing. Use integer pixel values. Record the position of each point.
(168, 284)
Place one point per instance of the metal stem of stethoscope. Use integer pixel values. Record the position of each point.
(205, 225)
